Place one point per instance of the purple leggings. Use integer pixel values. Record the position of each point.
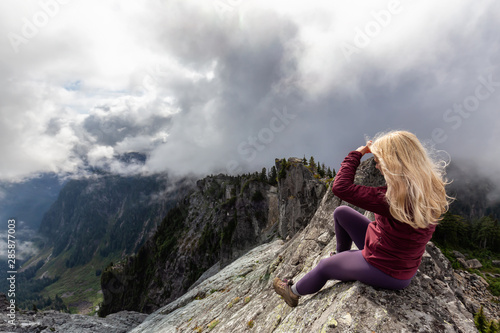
(348, 265)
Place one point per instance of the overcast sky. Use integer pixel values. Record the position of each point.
(228, 85)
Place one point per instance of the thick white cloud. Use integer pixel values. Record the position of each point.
(208, 86)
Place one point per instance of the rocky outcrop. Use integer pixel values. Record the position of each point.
(53, 321)
(472, 263)
(472, 291)
(299, 194)
(240, 297)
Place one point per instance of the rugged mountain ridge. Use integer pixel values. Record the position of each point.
(236, 296)
(240, 297)
(225, 217)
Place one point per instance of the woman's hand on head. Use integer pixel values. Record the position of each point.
(365, 149)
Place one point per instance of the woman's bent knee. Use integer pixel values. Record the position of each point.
(342, 211)
(324, 265)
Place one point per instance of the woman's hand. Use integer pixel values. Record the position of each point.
(365, 149)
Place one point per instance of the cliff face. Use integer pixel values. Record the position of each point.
(225, 217)
(240, 297)
(298, 196)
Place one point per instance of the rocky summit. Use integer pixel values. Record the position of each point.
(240, 297)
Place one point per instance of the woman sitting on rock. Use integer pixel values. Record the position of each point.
(406, 213)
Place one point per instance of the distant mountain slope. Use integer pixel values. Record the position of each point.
(29, 200)
(25, 201)
(95, 221)
(476, 195)
(105, 214)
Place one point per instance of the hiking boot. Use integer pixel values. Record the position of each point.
(284, 289)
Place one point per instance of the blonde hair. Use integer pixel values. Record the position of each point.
(415, 183)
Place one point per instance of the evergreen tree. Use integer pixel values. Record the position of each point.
(487, 233)
(304, 160)
(273, 176)
(329, 173)
(282, 172)
(480, 321)
(493, 327)
(452, 231)
(312, 164)
(321, 170)
(263, 175)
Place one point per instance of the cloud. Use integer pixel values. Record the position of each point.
(30, 141)
(217, 86)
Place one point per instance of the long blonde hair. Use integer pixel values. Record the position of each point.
(415, 183)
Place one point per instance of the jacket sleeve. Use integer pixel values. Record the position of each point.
(365, 197)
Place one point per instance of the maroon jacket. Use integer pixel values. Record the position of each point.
(394, 247)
